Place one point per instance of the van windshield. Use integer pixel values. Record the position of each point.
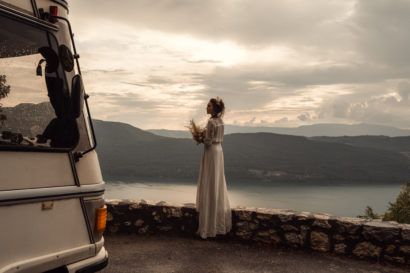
(34, 95)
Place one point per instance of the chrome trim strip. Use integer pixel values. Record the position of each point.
(11, 197)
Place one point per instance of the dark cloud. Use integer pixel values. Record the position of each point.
(106, 71)
(304, 117)
(202, 61)
(382, 31)
(403, 89)
(135, 83)
(247, 22)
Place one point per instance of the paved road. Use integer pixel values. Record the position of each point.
(161, 253)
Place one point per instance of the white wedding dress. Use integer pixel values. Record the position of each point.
(212, 196)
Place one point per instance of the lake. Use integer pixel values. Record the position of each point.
(340, 200)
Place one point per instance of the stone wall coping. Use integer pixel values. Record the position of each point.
(316, 216)
(382, 224)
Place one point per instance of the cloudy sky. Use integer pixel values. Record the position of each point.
(156, 63)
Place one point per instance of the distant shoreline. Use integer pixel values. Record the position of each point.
(131, 180)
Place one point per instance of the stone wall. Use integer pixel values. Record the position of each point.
(377, 240)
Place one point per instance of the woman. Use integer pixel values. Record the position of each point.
(212, 197)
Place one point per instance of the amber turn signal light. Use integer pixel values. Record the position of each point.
(100, 219)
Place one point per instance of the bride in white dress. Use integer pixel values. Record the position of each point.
(212, 201)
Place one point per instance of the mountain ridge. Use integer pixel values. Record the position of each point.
(263, 157)
(321, 129)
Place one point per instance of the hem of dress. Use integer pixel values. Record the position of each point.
(205, 235)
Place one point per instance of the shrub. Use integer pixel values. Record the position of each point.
(400, 210)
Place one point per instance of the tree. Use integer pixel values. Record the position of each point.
(398, 211)
(4, 91)
(370, 214)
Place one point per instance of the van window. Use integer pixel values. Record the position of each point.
(34, 95)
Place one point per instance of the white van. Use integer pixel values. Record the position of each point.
(52, 212)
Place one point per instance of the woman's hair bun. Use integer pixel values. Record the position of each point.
(219, 106)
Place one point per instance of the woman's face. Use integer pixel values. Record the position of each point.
(210, 108)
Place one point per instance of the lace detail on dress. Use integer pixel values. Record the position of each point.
(214, 131)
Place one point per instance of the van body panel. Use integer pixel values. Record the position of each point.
(32, 231)
(51, 261)
(98, 262)
(25, 170)
(88, 169)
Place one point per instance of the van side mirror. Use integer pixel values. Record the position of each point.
(51, 58)
(77, 96)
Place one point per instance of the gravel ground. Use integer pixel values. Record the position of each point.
(166, 253)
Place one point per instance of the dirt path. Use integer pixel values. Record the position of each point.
(161, 253)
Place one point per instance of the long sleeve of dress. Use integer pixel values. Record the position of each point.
(210, 132)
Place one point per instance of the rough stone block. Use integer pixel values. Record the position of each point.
(340, 248)
(245, 235)
(348, 225)
(143, 230)
(289, 228)
(244, 215)
(275, 239)
(338, 237)
(390, 249)
(263, 214)
(243, 226)
(303, 234)
(293, 239)
(304, 216)
(321, 223)
(286, 217)
(165, 228)
(380, 231)
(134, 206)
(319, 241)
(138, 223)
(322, 216)
(176, 212)
(394, 259)
(253, 226)
(263, 234)
(405, 249)
(405, 234)
(367, 250)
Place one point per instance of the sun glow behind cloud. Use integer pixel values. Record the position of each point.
(275, 64)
